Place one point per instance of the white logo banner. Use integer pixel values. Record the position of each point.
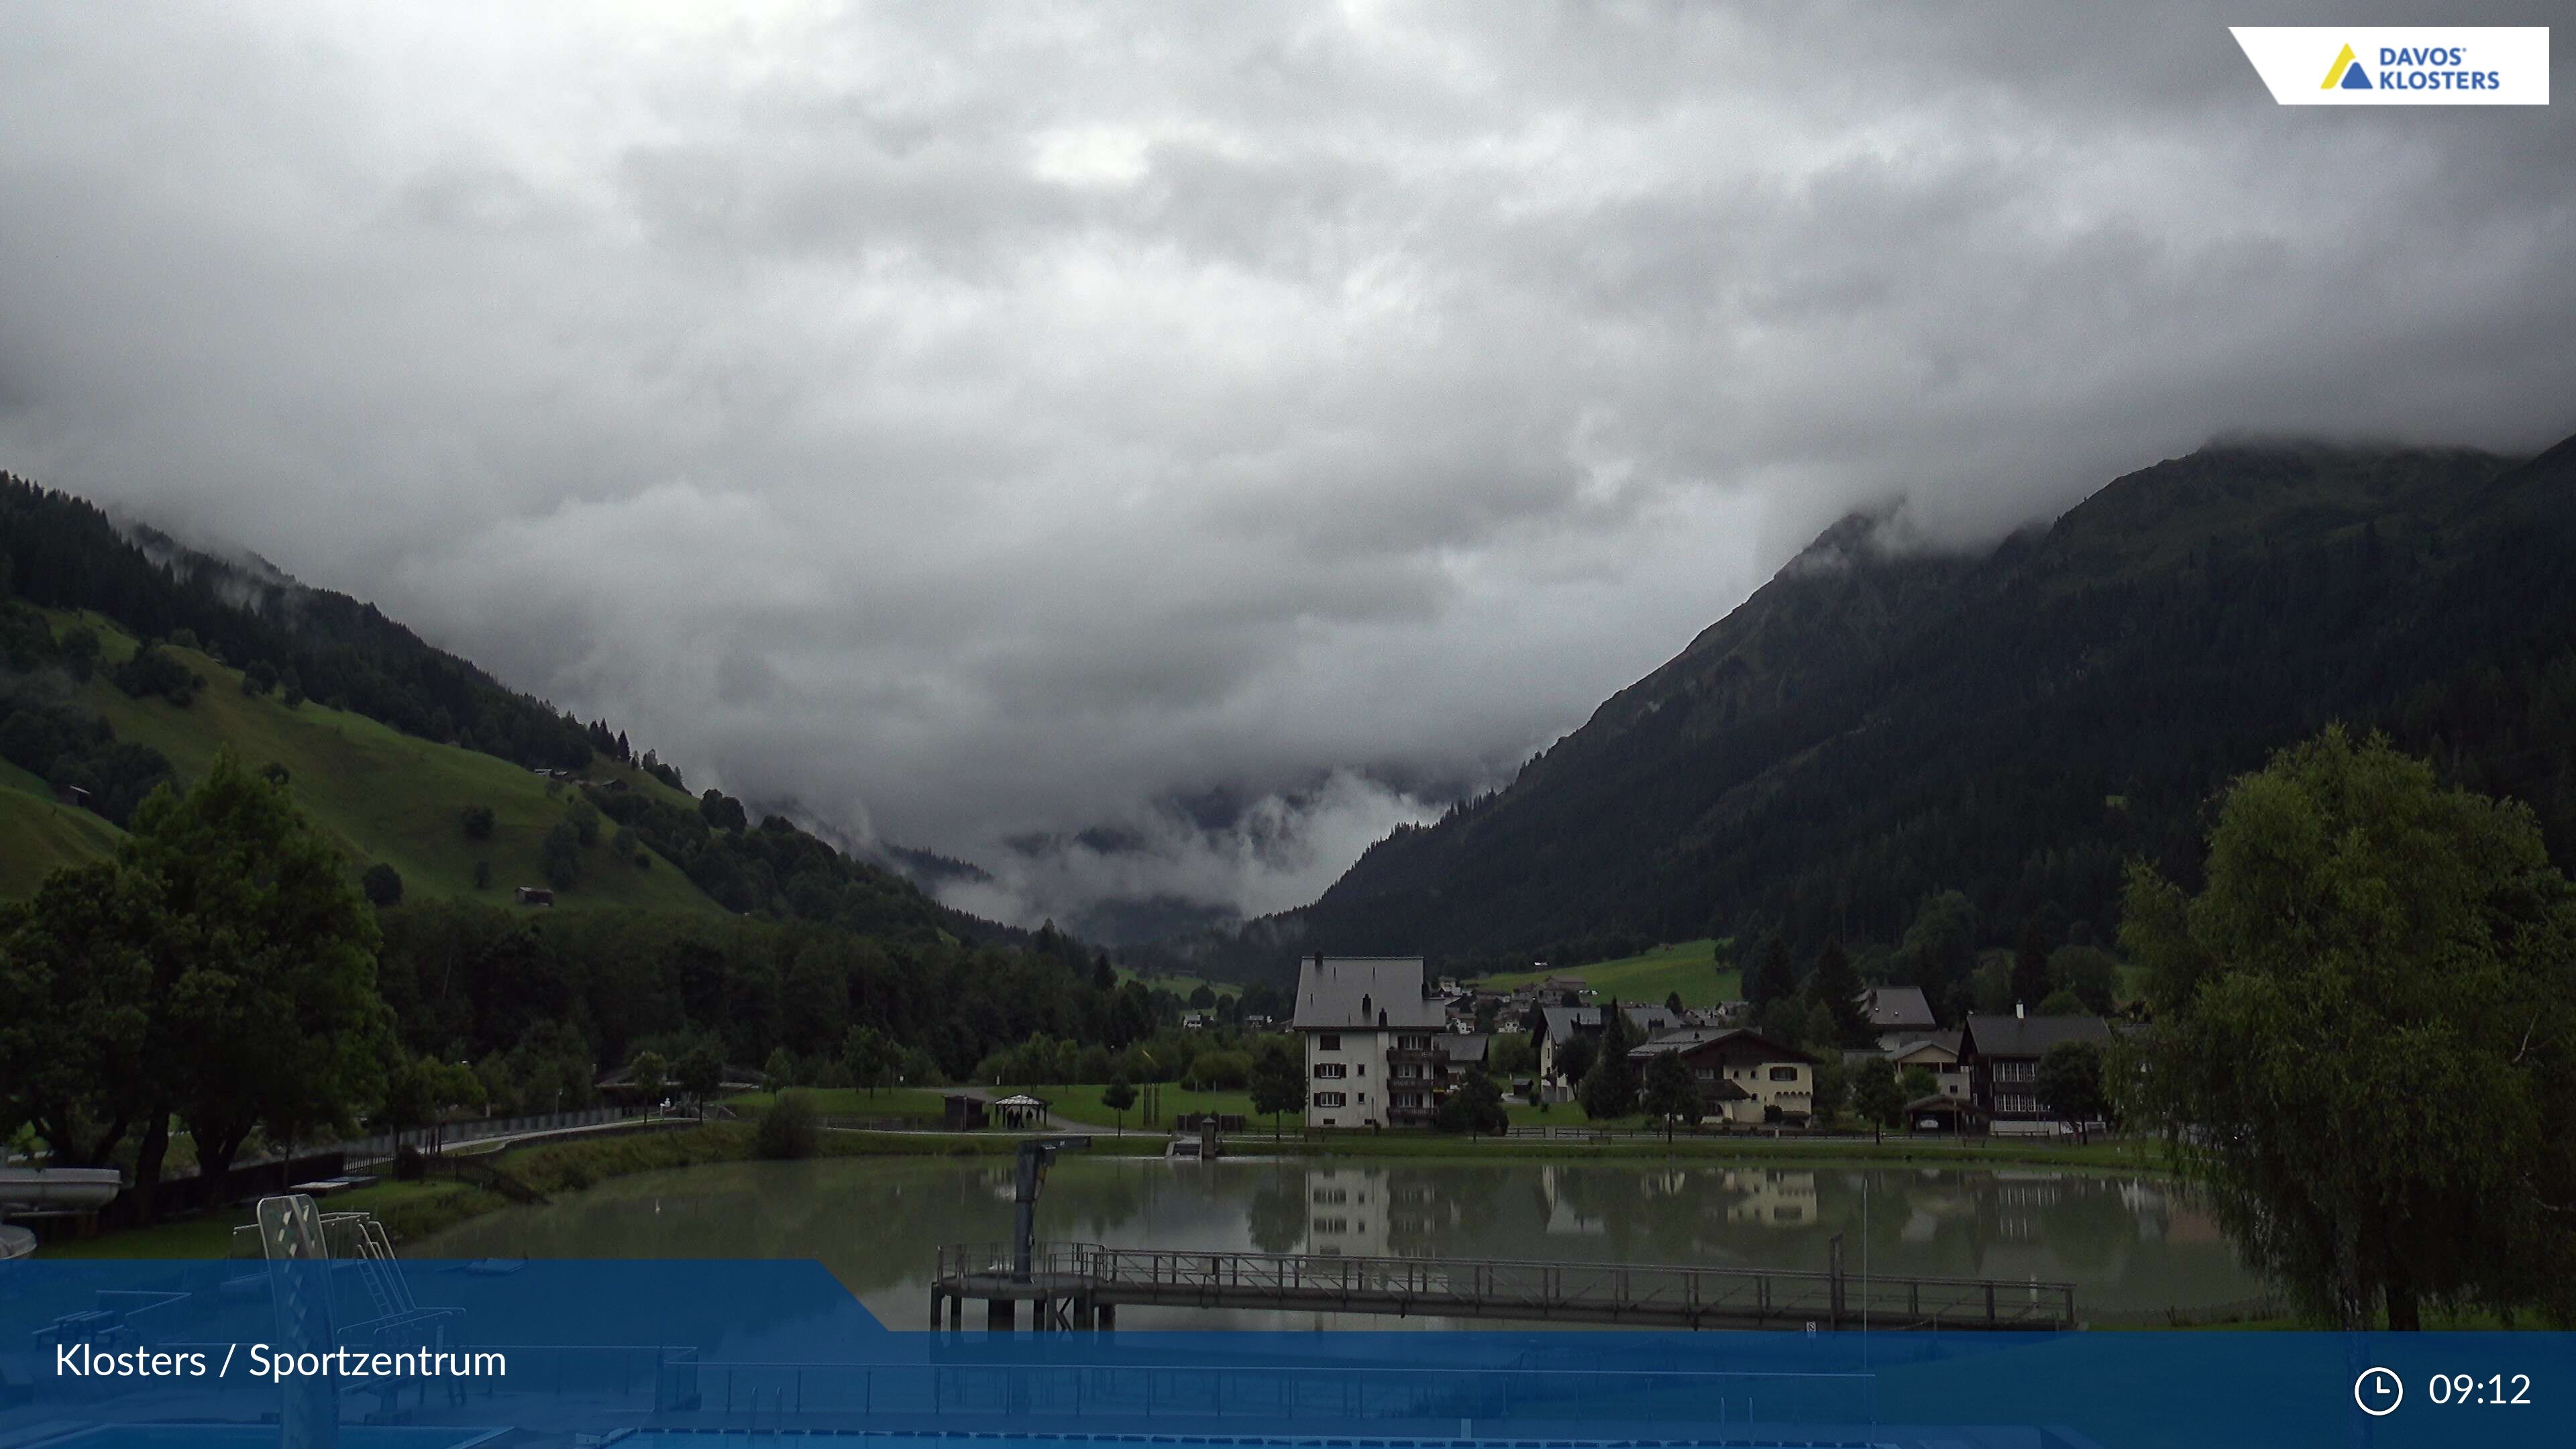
(2400, 65)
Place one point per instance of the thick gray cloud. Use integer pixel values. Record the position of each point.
(987, 423)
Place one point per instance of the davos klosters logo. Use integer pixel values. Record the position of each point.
(2415, 65)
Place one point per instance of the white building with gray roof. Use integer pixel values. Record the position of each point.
(1371, 1030)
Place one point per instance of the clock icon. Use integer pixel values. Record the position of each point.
(2378, 1391)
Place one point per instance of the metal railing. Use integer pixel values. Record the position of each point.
(450, 1135)
(1507, 1288)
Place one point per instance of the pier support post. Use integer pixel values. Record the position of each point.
(1001, 1315)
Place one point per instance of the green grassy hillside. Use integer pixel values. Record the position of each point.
(1689, 967)
(379, 794)
(1178, 984)
(38, 836)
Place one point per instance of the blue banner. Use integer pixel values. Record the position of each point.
(650, 1354)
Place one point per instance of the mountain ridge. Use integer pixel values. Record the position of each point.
(1811, 763)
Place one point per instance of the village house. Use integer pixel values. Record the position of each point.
(1557, 1025)
(1371, 1032)
(1746, 1077)
(1936, 1052)
(2001, 1055)
(1897, 1013)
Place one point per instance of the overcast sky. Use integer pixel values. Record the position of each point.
(986, 422)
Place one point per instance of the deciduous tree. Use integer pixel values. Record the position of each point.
(264, 973)
(1878, 1096)
(1671, 1095)
(2364, 1046)
(1119, 1095)
(1278, 1082)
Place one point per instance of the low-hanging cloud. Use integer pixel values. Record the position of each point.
(988, 424)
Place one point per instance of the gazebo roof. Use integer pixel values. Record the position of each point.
(1022, 1100)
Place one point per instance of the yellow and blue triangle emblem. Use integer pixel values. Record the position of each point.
(2346, 74)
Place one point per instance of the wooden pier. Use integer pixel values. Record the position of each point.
(1081, 1285)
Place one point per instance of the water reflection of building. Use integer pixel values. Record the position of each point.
(1348, 1208)
(1769, 1197)
(2017, 1203)
(1567, 1215)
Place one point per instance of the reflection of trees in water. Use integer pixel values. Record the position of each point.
(1276, 1219)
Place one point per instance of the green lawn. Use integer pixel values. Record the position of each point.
(1082, 1104)
(381, 795)
(1562, 1114)
(913, 1103)
(1688, 967)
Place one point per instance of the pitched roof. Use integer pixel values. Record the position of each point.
(1461, 1046)
(1692, 1038)
(1560, 1022)
(1947, 1041)
(1364, 993)
(1895, 1007)
(2028, 1036)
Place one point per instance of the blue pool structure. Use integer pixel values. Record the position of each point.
(261, 1437)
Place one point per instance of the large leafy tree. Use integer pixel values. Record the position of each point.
(1610, 1084)
(264, 973)
(1836, 987)
(1278, 1081)
(2365, 1037)
(866, 1055)
(2069, 1084)
(1670, 1093)
(1475, 1105)
(75, 1010)
(700, 1074)
(2031, 978)
(1878, 1095)
(1574, 1057)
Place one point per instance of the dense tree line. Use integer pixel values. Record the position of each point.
(226, 971)
(61, 552)
(470, 982)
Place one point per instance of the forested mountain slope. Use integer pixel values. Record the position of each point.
(1869, 728)
(127, 659)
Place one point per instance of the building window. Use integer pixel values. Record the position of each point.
(1413, 1043)
(1784, 1074)
(1406, 1072)
(1328, 1042)
(1363, 1069)
(2019, 1071)
(1705, 1074)
(1332, 1071)
(1331, 1196)
(1332, 1225)
(1407, 1099)
(1329, 1099)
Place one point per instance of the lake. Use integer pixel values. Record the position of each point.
(2135, 1247)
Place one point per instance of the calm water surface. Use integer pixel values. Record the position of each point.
(2134, 1247)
